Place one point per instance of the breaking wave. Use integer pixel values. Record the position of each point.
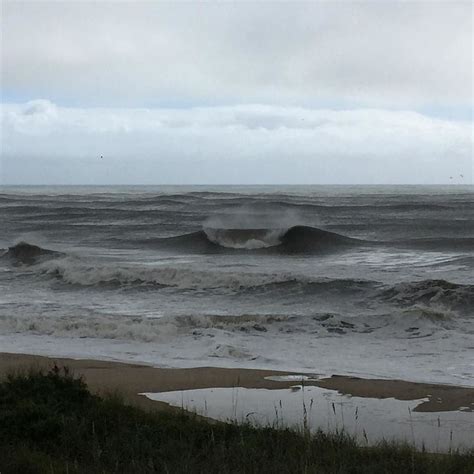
(296, 239)
(75, 271)
(87, 272)
(439, 293)
(91, 324)
(248, 239)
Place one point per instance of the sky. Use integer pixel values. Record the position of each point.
(236, 92)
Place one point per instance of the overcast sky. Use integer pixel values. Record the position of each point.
(249, 92)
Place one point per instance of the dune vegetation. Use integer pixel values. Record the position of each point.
(51, 423)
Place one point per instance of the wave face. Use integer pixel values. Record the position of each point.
(297, 239)
(25, 253)
(303, 238)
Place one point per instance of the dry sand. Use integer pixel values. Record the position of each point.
(130, 380)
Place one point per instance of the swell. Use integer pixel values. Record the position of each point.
(74, 212)
(55, 206)
(311, 205)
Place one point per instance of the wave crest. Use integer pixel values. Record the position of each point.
(77, 272)
(249, 239)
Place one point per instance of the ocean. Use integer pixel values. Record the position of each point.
(373, 281)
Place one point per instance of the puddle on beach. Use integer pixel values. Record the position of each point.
(368, 419)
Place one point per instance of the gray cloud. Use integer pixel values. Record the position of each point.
(375, 54)
(45, 143)
(288, 92)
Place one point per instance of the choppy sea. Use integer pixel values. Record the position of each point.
(367, 280)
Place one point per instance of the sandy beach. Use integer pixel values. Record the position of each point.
(131, 380)
(328, 426)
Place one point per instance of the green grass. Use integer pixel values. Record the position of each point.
(51, 423)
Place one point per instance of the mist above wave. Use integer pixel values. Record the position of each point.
(243, 228)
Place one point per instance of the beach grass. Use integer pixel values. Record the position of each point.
(51, 423)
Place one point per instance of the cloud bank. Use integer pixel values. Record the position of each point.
(44, 143)
(382, 54)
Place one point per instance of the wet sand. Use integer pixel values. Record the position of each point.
(130, 380)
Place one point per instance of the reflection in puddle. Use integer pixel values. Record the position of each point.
(368, 419)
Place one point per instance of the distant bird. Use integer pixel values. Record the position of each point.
(450, 177)
(101, 157)
(462, 176)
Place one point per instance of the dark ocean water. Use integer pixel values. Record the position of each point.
(334, 279)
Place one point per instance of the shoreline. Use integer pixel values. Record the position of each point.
(132, 380)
